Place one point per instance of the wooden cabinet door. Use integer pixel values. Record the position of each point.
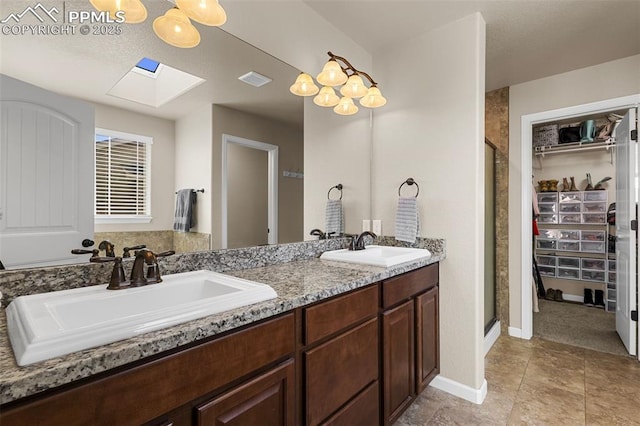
(427, 342)
(266, 400)
(398, 360)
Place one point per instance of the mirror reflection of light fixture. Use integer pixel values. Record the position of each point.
(327, 97)
(206, 12)
(304, 86)
(175, 28)
(345, 107)
(345, 75)
(134, 10)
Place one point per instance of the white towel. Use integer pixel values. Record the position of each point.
(407, 220)
(334, 217)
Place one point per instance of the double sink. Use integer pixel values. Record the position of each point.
(47, 325)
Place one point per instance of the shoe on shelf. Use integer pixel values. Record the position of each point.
(557, 296)
(599, 302)
(588, 297)
(550, 294)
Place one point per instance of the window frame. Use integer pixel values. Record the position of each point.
(121, 218)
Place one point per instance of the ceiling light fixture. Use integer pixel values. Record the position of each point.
(174, 27)
(345, 75)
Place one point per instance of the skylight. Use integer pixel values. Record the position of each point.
(152, 83)
(148, 64)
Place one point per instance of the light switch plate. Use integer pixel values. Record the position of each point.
(377, 227)
(366, 225)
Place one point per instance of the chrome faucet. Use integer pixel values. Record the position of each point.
(357, 241)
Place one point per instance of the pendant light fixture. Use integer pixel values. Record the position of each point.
(352, 87)
(206, 12)
(134, 10)
(304, 86)
(174, 27)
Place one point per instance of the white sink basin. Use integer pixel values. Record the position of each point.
(385, 256)
(43, 326)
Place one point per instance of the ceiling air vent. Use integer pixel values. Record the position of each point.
(255, 79)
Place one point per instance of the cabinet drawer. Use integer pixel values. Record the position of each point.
(592, 276)
(548, 197)
(548, 218)
(594, 218)
(570, 218)
(568, 274)
(339, 313)
(406, 285)
(595, 196)
(339, 369)
(546, 260)
(548, 208)
(268, 400)
(547, 271)
(569, 234)
(570, 208)
(363, 410)
(570, 197)
(569, 262)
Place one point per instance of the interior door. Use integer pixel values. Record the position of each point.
(46, 175)
(626, 237)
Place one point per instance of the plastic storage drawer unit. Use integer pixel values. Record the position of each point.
(570, 197)
(548, 218)
(593, 264)
(595, 196)
(572, 235)
(569, 262)
(569, 274)
(592, 275)
(546, 260)
(594, 218)
(546, 244)
(592, 247)
(570, 218)
(547, 271)
(568, 245)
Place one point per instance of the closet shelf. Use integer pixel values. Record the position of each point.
(541, 151)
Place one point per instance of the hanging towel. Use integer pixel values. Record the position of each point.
(407, 220)
(184, 217)
(334, 217)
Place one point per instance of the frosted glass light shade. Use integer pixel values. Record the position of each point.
(207, 12)
(134, 10)
(327, 97)
(354, 88)
(304, 86)
(345, 107)
(175, 28)
(373, 98)
(332, 74)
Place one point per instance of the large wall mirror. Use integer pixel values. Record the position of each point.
(187, 132)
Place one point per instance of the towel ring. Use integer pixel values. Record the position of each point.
(338, 187)
(410, 182)
(196, 191)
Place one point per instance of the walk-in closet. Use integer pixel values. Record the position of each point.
(577, 183)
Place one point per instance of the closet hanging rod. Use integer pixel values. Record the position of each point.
(605, 145)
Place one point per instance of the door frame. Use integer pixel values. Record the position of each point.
(272, 185)
(526, 165)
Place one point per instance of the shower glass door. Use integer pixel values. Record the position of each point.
(489, 236)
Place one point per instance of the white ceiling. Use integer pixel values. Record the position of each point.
(526, 40)
(88, 66)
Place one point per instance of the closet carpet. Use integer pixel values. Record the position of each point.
(578, 325)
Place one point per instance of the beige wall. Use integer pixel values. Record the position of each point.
(247, 196)
(193, 162)
(289, 139)
(600, 82)
(162, 163)
(432, 129)
(336, 148)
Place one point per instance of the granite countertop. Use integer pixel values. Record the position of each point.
(297, 283)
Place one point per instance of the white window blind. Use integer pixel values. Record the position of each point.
(122, 176)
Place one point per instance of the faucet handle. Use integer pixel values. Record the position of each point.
(94, 253)
(153, 271)
(126, 250)
(108, 248)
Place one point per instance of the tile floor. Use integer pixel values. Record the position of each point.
(539, 382)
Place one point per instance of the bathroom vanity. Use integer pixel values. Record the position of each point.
(341, 345)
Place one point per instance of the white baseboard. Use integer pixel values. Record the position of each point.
(573, 298)
(461, 391)
(515, 332)
(491, 337)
